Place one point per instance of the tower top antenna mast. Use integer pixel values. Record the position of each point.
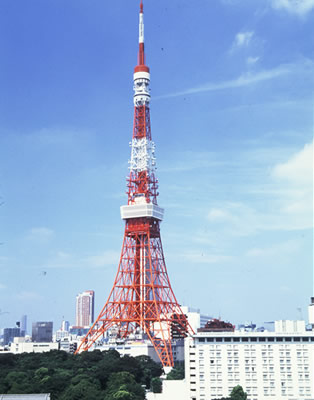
(141, 53)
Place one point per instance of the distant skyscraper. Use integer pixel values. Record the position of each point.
(23, 325)
(65, 326)
(85, 308)
(42, 331)
(9, 334)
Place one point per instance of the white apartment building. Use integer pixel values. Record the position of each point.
(268, 365)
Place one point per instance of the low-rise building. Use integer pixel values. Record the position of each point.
(19, 345)
(268, 365)
(35, 396)
(144, 347)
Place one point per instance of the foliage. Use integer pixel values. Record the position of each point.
(122, 386)
(89, 375)
(149, 370)
(156, 385)
(177, 373)
(238, 393)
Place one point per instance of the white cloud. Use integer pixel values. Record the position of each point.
(65, 260)
(297, 7)
(215, 214)
(190, 160)
(289, 247)
(298, 169)
(26, 295)
(295, 178)
(2, 286)
(40, 234)
(198, 257)
(289, 204)
(252, 60)
(243, 80)
(101, 260)
(242, 39)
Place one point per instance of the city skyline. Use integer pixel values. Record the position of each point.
(232, 119)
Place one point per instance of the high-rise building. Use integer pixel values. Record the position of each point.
(85, 308)
(42, 331)
(65, 326)
(23, 325)
(142, 303)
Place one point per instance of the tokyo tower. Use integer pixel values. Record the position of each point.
(141, 303)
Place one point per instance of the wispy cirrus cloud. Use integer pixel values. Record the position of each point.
(243, 80)
(40, 234)
(190, 160)
(29, 296)
(296, 7)
(302, 67)
(288, 247)
(242, 39)
(106, 258)
(197, 257)
(64, 260)
(252, 60)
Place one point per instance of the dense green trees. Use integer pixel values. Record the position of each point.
(91, 375)
(177, 373)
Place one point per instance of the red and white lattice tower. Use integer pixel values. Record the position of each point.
(141, 302)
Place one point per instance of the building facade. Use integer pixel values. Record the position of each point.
(23, 325)
(20, 346)
(85, 308)
(42, 331)
(195, 318)
(9, 334)
(268, 365)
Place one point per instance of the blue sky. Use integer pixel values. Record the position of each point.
(232, 118)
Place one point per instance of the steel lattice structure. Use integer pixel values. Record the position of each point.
(141, 300)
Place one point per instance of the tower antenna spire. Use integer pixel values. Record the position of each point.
(141, 53)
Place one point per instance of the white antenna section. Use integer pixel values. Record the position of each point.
(141, 28)
(142, 155)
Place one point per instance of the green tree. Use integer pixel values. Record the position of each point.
(40, 373)
(148, 369)
(122, 385)
(177, 373)
(156, 385)
(17, 382)
(238, 393)
(84, 390)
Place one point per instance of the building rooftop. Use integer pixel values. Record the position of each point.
(36, 396)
